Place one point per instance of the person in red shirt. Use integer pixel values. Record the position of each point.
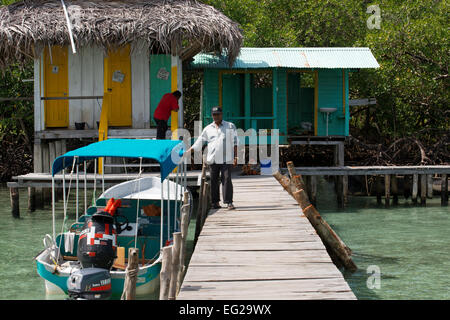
(168, 103)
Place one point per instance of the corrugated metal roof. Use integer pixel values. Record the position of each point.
(329, 58)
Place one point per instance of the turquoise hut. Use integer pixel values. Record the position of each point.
(303, 92)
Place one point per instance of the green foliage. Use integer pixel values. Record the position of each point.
(12, 113)
(411, 85)
(411, 46)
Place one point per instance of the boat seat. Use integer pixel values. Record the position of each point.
(77, 226)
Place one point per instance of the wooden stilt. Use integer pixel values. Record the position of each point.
(345, 189)
(387, 189)
(52, 152)
(379, 188)
(394, 189)
(37, 168)
(407, 186)
(31, 199)
(308, 185)
(200, 201)
(429, 186)
(46, 192)
(415, 188)
(184, 232)
(208, 201)
(206, 204)
(444, 190)
(313, 184)
(175, 265)
(423, 189)
(340, 191)
(14, 195)
(166, 271)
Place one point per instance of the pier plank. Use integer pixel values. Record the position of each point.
(265, 249)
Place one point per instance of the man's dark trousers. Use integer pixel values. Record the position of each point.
(224, 170)
(161, 128)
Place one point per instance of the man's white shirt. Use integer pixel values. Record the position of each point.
(221, 141)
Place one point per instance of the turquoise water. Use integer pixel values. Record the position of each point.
(408, 244)
(21, 241)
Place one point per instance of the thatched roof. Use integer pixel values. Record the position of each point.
(27, 26)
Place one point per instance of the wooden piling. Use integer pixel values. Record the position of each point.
(37, 167)
(387, 189)
(166, 272)
(444, 190)
(206, 202)
(52, 152)
(175, 265)
(46, 167)
(14, 196)
(345, 189)
(429, 186)
(31, 199)
(394, 189)
(200, 201)
(340, 191)
(415, 188)
(407, 186)
(423, 189)
(129, 288)
(184, 232)
(378, 188)
(313, 184)
(336, 247)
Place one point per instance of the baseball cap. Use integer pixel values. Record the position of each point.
(216, 110)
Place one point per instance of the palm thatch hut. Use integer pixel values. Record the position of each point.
(133, 50)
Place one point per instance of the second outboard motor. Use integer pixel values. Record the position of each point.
(97, 244)
(90, 284)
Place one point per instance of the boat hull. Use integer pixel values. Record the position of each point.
(147, 282)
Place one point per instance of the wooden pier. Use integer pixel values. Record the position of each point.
(43, 183)
(265, 249)
(419, 181)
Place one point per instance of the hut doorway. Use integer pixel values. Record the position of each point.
(56, 84)
(262, 99)
(233, 98)
(117, 75)
(300, 101)
(246, 98)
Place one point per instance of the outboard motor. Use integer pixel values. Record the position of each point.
(97, 243)
(90, 284)
(97, 246)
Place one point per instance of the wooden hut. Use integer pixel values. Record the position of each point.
(104, 65)
(303, 92)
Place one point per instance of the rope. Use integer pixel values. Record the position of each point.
(66, 202)
(129, 274)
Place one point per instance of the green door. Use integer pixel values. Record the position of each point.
(233, 98)
(300, 104)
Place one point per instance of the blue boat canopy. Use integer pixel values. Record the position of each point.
(167, 152)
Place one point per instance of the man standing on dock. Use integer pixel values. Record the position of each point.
(168, 103)
(221, 138)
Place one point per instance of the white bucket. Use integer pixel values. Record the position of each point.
(266, 167)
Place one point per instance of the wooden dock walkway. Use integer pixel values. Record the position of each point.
(265, 249)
